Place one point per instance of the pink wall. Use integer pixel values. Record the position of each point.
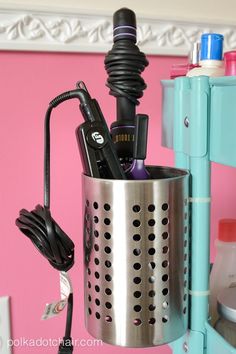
(28, 82)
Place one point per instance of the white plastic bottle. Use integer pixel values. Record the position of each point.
(211, 63)
(223, 273)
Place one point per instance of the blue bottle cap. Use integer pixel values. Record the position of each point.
(211, 46)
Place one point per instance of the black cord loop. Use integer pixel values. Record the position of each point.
(47, 236)
(124, 64)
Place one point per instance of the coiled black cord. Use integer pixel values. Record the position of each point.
(124, 64)
(40, 227)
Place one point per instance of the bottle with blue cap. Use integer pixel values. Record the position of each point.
(211, 56)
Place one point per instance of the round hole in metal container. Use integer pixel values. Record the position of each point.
(165, 235)
(151, 251)
(165, 305)
(136, 237)
(107, 207)
(165, 291)
(165, 277)
(95, 219)
(151, 237)
(165, 221)
(108, 264)
(151, 307)
(108, 291)
(151, 279)
(151, 293)
(165, 264)
(165, 206)
(151, 208)
(107, 221)
(97, 288)
(137, 308)
(107, 235)
(137, 251)
(108, 305)
(107, 249)
(137, 294)
(151, 222)
(151, 265)
(137, 322)
(137, 280)
(108, 277)
(165, 249)
(137, 266)
(165, 319)
(97, 275)
(136, 223)
(136, 208)
(95, 205)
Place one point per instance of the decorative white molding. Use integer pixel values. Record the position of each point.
(47, 31)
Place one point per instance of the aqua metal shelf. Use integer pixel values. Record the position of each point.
(199, 124)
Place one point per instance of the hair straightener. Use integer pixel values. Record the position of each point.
(97, 150)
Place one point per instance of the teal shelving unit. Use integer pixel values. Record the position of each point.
(199, 124)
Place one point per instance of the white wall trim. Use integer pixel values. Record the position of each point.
(37, 30)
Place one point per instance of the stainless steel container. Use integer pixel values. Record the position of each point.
(136, 258)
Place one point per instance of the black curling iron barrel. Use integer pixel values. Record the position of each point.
(124, 64)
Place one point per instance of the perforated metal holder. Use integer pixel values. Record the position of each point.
(136, 258)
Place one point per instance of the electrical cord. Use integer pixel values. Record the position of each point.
(40, 227)
(124, 64)
(66, 346)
